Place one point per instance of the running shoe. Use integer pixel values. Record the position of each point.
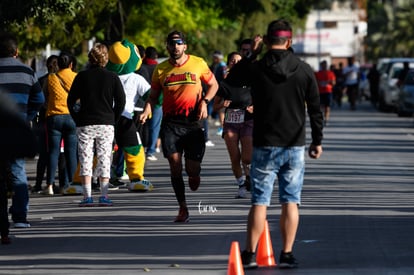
(141, 185)
(219, 131)
(248, 259)
(104, 201)
(194, 183)
(209, 143)
(183, 215)
(287, 260)
(24, 224)
(152, 158)
(86, 202)
(242, 192)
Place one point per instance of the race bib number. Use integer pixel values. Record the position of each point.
(234, 116)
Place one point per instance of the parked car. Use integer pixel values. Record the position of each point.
(388, 89)
(405, 103)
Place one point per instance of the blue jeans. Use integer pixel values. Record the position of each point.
(118, 163)
(287, 164)
(61, 127)
(20, 199)
(154, 125)
(41, 165)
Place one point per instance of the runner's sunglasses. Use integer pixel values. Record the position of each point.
(172, 42)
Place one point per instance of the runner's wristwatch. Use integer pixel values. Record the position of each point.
(207, 101)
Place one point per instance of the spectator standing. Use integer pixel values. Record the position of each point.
(284, 88)
(19, 82)
(326, 81)
(184, 107)
(60, 125)
(40, 127)
(403, 73)
(154, 123)
(374, 79)
(150, 61)
(96, 101)
(219, 69)
(246, 47)
(338, 89)
(17, 140)
(351, 82)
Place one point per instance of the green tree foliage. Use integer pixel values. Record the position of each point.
(390, 29)
(377, 27)
(34, 21)
(208, 24)
(150, 22)
(402, 38)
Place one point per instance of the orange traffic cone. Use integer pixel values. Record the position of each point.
(235, 266)
(265, 256)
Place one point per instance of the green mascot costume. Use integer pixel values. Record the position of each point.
(124, 59)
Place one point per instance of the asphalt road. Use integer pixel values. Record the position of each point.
(357, 214)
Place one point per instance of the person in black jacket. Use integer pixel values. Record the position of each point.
(96, 100)
(17, 141)
(283, 89)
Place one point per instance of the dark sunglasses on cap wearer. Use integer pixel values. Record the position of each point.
(177, 41)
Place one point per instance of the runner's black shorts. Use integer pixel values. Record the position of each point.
(326, 99)
(183, 137)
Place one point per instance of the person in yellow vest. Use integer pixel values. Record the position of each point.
(124, 60)
(60, 125)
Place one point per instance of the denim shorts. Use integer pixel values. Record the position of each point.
(286, 164)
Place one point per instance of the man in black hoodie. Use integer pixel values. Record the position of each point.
(283, 89)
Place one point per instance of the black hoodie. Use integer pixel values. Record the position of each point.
(283, 89)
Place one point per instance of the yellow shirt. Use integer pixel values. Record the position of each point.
(57, 94)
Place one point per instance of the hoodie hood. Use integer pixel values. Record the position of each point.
(279, 65)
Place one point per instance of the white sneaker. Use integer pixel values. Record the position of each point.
(48, 190)
(209, 143)
(124, 177)
(157, 150)
(152, 158)
(242, 192)
(142, 185)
